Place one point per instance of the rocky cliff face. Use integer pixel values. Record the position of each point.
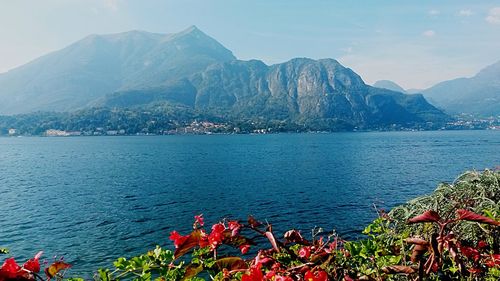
(300, 89)
(305, 89)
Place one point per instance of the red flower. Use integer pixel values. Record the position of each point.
(215, 239)
(177, 238)
(493, 261)
(305, 252)
(435, 267)
(470, 253)
(320, 275)
(198, 220)
(348, 278)
(474, 270)
(244, 248)
(331, 247)
(216, 236)
(255, 274)
(218, 227)
(203, 242)
(271, 275)
(234, 226)
(33, 264)
(10, 269)
(261, 259)
(482, 244)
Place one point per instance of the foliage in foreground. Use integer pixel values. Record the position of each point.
(449, 235)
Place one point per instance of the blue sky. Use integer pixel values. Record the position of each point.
(414, 43)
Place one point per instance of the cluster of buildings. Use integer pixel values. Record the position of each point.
(13, 132)
(464, 122)
(97, 132)
(197, 127)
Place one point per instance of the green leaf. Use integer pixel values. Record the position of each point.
(103, 275)
(121, 263)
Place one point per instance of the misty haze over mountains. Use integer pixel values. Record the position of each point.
(478, 95)
(190, 68)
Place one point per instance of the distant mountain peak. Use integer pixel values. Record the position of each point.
(479, 95)
(491, 71)
(193, 30)
(389, 85)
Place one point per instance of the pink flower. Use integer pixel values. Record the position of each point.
(271, 275)
(234, 226)
(305, 252)
(244, 248)
(199, 220)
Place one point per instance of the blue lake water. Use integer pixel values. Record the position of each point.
(93, 199)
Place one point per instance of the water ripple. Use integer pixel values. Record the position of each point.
(95, 199)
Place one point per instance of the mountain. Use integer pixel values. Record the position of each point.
(478, 95)
(301, 89)
(193, 70)
(101, 64)
(389, 85)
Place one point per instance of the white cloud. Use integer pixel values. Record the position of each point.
(494, 16)
(433, 12)
(465, 13)
(429, 33)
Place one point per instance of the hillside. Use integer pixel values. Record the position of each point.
(71, 78)
(479, 95)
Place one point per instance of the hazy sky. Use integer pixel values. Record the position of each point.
(414, 43)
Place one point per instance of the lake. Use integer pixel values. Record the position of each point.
(93, 199)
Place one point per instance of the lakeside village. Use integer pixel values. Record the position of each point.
(461, 122)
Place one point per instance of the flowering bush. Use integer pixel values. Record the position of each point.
(430, 245)
(10, 270)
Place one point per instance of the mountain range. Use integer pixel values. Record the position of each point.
(477, 95)
(192, 69)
